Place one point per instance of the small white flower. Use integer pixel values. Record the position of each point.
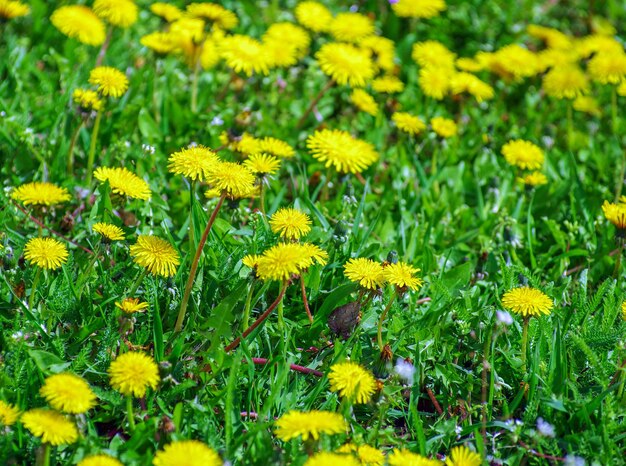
(405, 370)
(217, 121)
(504, 317)
(192, 144)
(571, 460)
(148, 148)
(545, 428)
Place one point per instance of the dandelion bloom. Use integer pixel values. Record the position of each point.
(110, 81)
(166, 11)
(108, 231)
(382, 51)
(10, 9)
(51, 426)
(87, 100)
(8, 414)
(80, 23)
(406, 458)
(387, 84)
(433, 53)
(262, 164)
(467, 82)
(587, 104)
(338, 149)
(159, 42)
(131, 305)
(251, 260)
(463, 456)
(553, 38)
(286, 259)
(123, 182)
(527, 301)
(351, 27)
(276, 147)
(408, 123)
(608, 68)
(326, 458)
(469, 64)
(120, 13)
(434, 81)
(345, 64)
(444, 127)
(515, 62)
(366, 454)
(156, 255)
(615, 213)
(313, 16)
(280, 54)
(288, 35)
(418, 8)
(364, 102)
(68, 393)
(244, 54)
(47, 253)
(192, 162)
(623, 318)
(290, 223)
(567, 82)
(132, 373)
(352, 382)
(40, 193)
(523, 154)
(214, 13)
(187, 453)
(233, 179)
(366, 272)
(621, 89)
(402, 275)
(311, 424)
(99, 460)
(533, 179)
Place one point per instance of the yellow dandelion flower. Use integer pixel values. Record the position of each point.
(187, 453)
(280, 54)
(156, 255)
(608, 68)
(187, 33)
(364, 102)
(587, 104)
(367, 455)
(80, 23)
(406, 458)
(340, 150)
(159, 42)
(210, 55)
(87, 100)
(527, 301)
(50, 426)
(47, 253)
(262, 164)
(251, 260)
(408, 123)
(435, 81)
(351, 27)
(366, 272)
(10, 9)
(523, 154)
(387, 85)
(192, 162)
(557, 58)
(166, 11)
(108, 231)
(352, 382)
(290, 223)
(290, 36)
(623, 318)
(382, 51)
(326, 458)
(275, 147)
(553, 38)
(110, 81)
(244, 54)
(534, 179)
(470, 65)
(40, 193)
(418, 8)
(123, 182)
(120, 13)
(444, 127)
(515, 62)
(463, 456)
(99, 460)
(314, 16)
(131, 305)
(402, 275)
(232, 178)
(567, 82)
(615, 213)
(132, 373)
(68, 393)
(346, 64)
(433, 53)
(467, 82)
(282, 261)
(621, 89)
(214, 13)
(9, 414)
(309, 425)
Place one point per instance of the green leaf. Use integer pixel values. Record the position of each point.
(48, 363)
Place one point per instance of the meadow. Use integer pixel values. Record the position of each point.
(312, 233)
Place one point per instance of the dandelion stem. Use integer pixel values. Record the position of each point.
(138, 281)
(570, 125)
(314, 102)
(194, 88)
(46, 454)
(246, 310)
(155, 98)
(262, 204)
(92, 146)
(33, 289)
(192, 200)
(433, 169)
(130, 413)
(105, 46)
(524, 342)
(70, 154)
(194, 265)
(305, 301)
(259, 319)
(614, 120)
(382, 319)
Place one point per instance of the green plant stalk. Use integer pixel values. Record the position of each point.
(192, 199)
(433, 169)
(382, 319)
(70, 154)
(305, 301)
(281, 315)
(130, 413)
(33, 289)
(46, 454)
(570, 125)
(245, 323)
(524, 342)
(137, 282)
(194, 86)
(155, 99)
(314, 102)
(262, 203)
(92, 146)
(194, 265)
(614, 119)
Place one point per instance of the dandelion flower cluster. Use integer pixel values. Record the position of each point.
(463, 456)
(351, 27)
(47, 253)
(51, 426)
(262, 164)
(244, 54)
(566, 82)
(403, 276)
(338, 149)
(192, 162)
(364, 102)
(523, 154)
(408, 123)
(133, 373)
(68, 393)
(123, 182)
(233, 179)
(40, 193)
(418, 8)
(527, 301)
(286, 259)
(166, 11)
(615, 213)
(9, 414)
(160, 42)
(366, 272)
(99, 460)
(80, 23)
(110, 81)
(345, 64)
(309, 425)
(444, 127)
(156, 255)
(366, 454)
(131, 305)
(290, 223)
(406, 458)
(187, 453)
(387, 84)
(214, 13)
(325, 458)
(352, 382)
(120, 13)
(108, 231)
(87, 99)
(10, 9)
(314, 16)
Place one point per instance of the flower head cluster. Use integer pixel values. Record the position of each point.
(47, 253)
(313, 16)
(523, 154)
(345, 64)
(51, 426)
(418, 8)
(529, 302)
(156, 255)
(366, 272)
(444, 127)
(80, 23)
(99, 460)
(387, 84)
(120, 13)
(132, 373)
(364, 102)
(351, 27)
(463, 456)
(188, 453)
(40, 193)
(244, 54)
(87, 100)
(403, 276)
(213, 13)
(10, 9)
(123, 182)
(406, 458)
(408, 123)
(338, 149)
(282, 261)
(9, 414)
(193, 162)
(108, 231)
(166, 11)
(262, 165)
(233, 179)
(615, 213)
(326, 458)
(311, 424)
(290, 223)
(110, 81)
(131, 305)
(68, 393)
(352, 382)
